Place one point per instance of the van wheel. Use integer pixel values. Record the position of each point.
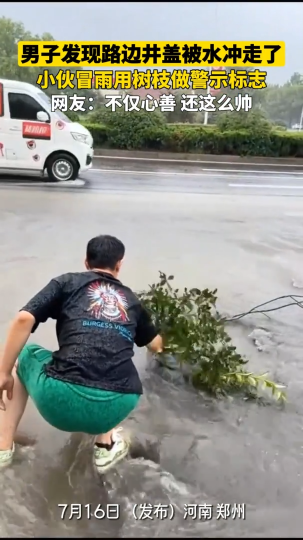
(62, 168)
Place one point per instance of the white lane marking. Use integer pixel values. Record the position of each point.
(77, 182)
(256, 171)
(154, 173)
(55, 185)
(195, 161)
(165, 173)
(265, 186)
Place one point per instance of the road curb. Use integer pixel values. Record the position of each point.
(196, 159)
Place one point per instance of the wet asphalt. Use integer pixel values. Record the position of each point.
(187, 448)
(114, 174)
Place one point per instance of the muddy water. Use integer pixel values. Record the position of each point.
(187, 449)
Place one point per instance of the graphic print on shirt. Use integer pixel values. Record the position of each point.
(107, 302)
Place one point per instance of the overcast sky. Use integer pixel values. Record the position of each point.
(204, 21)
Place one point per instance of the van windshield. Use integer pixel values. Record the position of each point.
(60, 114)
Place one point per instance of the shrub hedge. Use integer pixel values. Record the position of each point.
(148, 131)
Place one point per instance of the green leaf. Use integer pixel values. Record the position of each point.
(197, 339)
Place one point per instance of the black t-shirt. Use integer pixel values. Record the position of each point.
(98, 322)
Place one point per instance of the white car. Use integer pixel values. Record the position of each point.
(35, 140)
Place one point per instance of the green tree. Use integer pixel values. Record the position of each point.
(129, 130)
(254, 121)
(282, 103)
(178, 116)
(296, 79)
(10, 33)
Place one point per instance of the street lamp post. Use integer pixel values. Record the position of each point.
(206, 112)
(213, 92)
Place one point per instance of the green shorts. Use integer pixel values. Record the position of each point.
(71, 407)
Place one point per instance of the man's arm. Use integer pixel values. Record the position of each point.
(147, 334)
(156, 345)
(41, 307)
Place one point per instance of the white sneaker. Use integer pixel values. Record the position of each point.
(105, 459)
(6, 456)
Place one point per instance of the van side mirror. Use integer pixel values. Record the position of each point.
(42, 116)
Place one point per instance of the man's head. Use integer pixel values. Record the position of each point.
(104, 252)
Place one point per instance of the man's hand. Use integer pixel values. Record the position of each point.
(156, 345)
(6, 385)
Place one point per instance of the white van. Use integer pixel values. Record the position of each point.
(33, 139)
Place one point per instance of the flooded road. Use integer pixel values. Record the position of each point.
(187, 449)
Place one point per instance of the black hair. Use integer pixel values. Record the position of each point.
(104, 251)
